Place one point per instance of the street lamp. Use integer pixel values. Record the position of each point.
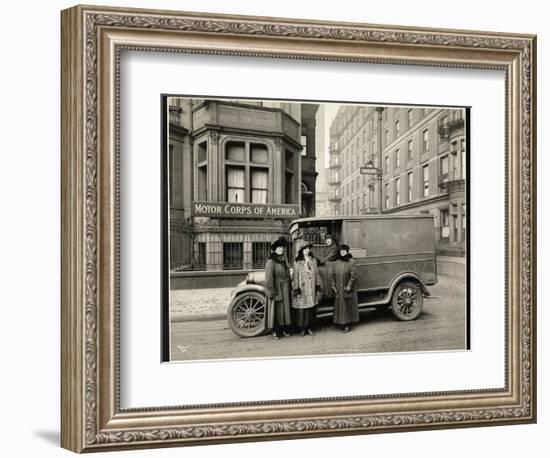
(370, 169)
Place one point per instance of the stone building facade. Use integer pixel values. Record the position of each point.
(421, 157)
(251, 162)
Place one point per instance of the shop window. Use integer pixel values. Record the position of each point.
(232, 256)
(201, 257)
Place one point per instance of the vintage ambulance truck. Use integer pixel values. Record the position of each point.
(395, 263)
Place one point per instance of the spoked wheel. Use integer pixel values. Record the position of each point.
(407, 301)
(247, 314)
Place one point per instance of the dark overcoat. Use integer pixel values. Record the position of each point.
(342, 275)
(326, 262)
(277, 284)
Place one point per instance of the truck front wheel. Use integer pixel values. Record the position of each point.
(247, 314)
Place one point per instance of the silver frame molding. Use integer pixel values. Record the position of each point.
(92, 39)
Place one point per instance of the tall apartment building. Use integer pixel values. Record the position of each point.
(421, 156)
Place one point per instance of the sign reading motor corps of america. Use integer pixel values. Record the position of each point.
(233, 210)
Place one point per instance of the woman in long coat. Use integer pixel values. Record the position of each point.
(306, 284)
(326, 261)
(277, 283)
(342, 280)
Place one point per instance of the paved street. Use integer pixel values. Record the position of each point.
(441, 326)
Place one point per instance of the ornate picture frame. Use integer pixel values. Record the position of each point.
(92, 41)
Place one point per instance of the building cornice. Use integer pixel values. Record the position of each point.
(249, 133)
(417, 203)
(178, 130)
(245, 105)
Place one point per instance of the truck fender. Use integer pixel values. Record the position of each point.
(408, 276)
(246, 288)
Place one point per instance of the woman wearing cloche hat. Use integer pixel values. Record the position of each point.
(277, 278)
(306, 284)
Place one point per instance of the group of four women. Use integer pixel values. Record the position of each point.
(292, 298)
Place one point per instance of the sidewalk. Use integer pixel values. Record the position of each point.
(199, 304)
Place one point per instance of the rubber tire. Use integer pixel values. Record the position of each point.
(254, 332)
(420, 298)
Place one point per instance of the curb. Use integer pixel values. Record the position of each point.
(178, 318)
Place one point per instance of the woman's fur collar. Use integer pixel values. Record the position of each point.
(345, 258)
(281, 259)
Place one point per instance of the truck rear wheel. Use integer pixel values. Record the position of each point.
(247, 314)
(407, 301)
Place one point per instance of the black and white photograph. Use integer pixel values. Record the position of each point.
(301, 228)
(275, 228)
